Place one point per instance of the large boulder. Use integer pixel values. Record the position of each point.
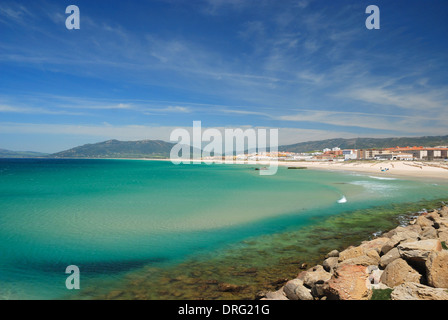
(398, 272)
(330, 264)
(443, 212)
(370, 257)
(410, 231)
(375, 244)
(303, 293)
(332, 254)
(442, 224)
(295, 290)
(417, 252)
(349, 282)
(314, 275)
(389, 245)
(389, 257)
(290, 287)
(424, 222)
(443, 235)
(318, 290)
(417, 291)
(428, 233)
(437, 269)
(350, 253)
(275, 295)
(433, 216)
(401, 235)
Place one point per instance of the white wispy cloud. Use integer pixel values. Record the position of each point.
(33, 110)
(15, 13)
(404, 98)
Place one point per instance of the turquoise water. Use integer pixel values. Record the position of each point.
(110, 217)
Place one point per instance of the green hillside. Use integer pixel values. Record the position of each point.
(20, 154)
(365, 143)
(119, 149)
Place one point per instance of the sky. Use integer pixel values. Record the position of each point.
(139, 69)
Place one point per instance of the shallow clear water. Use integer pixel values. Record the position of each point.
(113, 217)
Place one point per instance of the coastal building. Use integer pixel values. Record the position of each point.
(370, 154)
(395, 156)
(404, 153)
(350, 154)
(302, 157)
(423, 153)
(330, 155)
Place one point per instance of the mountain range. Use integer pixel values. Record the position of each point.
(21, 154)
(119, 149)
(161, 149)
(366, 143)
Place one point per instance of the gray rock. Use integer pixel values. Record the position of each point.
(318, 290)
(290, 287)
(318, 273)
(332, 254)
(330, 264)
(275, 295)
(303, 293)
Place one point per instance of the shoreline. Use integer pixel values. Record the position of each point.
(394, 168)
(409, 262)
(414, 169)
(237, 271)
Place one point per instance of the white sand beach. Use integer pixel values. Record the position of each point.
(401, 168)
(417, 169)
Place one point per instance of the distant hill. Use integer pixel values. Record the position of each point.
(119, 149)
(365, 143)
(20, 154)
(162, 149)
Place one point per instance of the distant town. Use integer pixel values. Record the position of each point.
(337, 154)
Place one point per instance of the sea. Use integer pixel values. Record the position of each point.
(140, 229)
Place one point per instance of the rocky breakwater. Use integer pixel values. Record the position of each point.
(406, 263)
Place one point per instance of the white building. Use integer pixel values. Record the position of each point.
(350, 154)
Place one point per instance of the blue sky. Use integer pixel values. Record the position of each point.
(138, 69)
